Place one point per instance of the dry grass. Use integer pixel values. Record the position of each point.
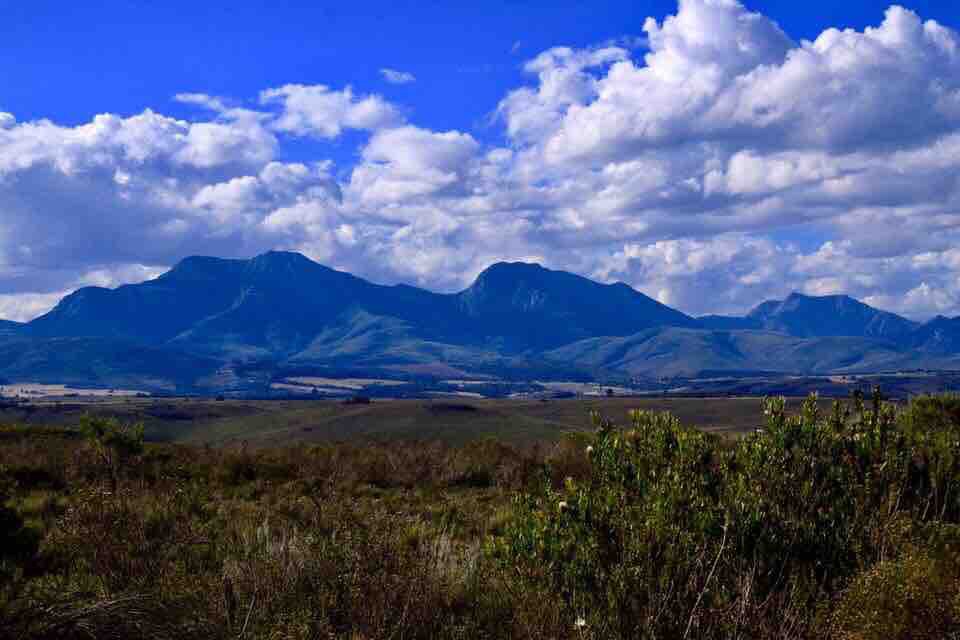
(406, 539)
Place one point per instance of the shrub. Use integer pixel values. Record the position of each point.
(17, 543)
(915, 596)
(842, 523)
(114, 444)
(669, 519)
(633, 540)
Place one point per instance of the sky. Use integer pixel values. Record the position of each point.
(710, 153)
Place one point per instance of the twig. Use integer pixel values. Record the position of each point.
(246, 621)
(693, 613)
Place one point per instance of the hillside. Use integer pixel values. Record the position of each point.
(210, 324)
(8, 327)
(101, 362)
(809, 316)
(940, 336)
(691, 353)
(525, 306)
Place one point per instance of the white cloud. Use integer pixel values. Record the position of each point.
(724, 165)
(23, 307)
(202, 100)
(397, 77)
(407, 162)
(716, 72)
(148, 138)
(316, 110)
(564, 81)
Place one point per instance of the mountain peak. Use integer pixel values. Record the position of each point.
(281, 309)
(200, 266)
(282, 257)
(282, 263)
(210, 268)
(796, 296)
(831, 315)
(511, 270)
(530, 304)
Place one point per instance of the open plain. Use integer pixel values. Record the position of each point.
(452, 420)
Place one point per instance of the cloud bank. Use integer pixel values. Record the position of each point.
(725, 164)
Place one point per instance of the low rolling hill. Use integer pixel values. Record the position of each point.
(674, 351)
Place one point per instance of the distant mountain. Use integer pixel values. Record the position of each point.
(8, 327)
(941, 336)
(671, 351)
(728, 323)
(823, 316)
(101, 361)
(529, 307)
(272, 305)
(213, 323)
(279, 303)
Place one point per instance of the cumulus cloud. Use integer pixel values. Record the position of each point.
(406, 162)
(316, 110)
(564, 81)
(397, 77)
(723, 164)
(716, 72)
(145, 139)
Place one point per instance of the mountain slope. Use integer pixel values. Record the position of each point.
(525, 306)
(277, 304)
(151, 312)
(728, 323)
(823, 316)
(100, 361)
(270, 306)
(940, 335)
(9, 327)
(210, 320)
(672, 351)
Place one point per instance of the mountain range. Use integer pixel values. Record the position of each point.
(211, 324)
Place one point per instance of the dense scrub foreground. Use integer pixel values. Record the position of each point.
(837, 525)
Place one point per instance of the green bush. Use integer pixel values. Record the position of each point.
(916, 596)
(633, 540)
(114, 444)
(670, 519)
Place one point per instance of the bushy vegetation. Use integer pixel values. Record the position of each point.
(842, 524)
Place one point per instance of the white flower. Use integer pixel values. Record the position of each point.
(563, 506)
(580, 623)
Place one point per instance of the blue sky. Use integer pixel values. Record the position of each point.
(71, 61)
(701, 152)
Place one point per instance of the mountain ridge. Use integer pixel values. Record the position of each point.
(832, 315)
(281, 309)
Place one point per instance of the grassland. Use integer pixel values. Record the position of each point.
(838, 522)
(452, 420)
